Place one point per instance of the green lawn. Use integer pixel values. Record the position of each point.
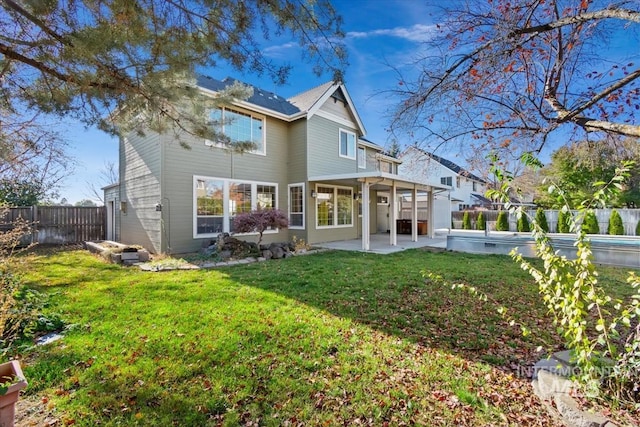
(336, 338)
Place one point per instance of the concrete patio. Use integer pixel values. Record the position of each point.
(380, 243)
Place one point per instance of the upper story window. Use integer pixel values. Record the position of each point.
(475, 186)
(347, 144)
(241, 127)
(385, 166)
(457, 182)
(362, 158)
(446, 180)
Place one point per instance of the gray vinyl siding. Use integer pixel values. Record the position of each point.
(338, 109)
(181, 165)
(323, 148)
(297, 153)
(140, 163)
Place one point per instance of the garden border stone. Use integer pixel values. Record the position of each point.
(552, 385)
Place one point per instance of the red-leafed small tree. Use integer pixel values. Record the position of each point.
(259, 221)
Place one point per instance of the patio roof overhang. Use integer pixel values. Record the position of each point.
(380, 180)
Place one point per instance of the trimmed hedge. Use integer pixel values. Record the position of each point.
(563, 221)
(466, 221)
(616, 228)
(590, 224)
(523, 224)
(481, 222)
(502, 223)
(541, 220)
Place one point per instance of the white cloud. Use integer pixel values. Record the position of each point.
(279, 51)
(415, 33)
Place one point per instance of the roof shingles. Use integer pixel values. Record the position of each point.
(260, 97)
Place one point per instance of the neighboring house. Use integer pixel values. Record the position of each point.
(467, 189)
(312, 161)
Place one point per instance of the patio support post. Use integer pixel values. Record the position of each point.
(414, 214)
(393, 215)
(430, 223)
(366, 228)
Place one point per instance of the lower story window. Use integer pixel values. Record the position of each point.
(217, 201)
(296, 206)
(334, 206)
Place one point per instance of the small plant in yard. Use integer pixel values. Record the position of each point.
(638, 229)
(594, 325)
(590, 223)
(481, 223)
(541, 219)
(616, 227)
(502, 223)
(299, 245)
(259, 221)
(523, 223)
(20, 307)
(466, 221)
(564, 217)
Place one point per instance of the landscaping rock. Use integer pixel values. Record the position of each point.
(267, 254)
(278, 252)
(551, 385)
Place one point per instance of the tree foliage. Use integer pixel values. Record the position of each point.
(508, 74)
(576, 167)
(616, 227)
(20, 193)
(33, 159)
(89, 59)
(502, 222)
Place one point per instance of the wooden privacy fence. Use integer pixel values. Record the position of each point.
(58, 224)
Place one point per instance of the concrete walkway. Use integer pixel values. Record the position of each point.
(379, 243)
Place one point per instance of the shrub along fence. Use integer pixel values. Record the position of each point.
(57, 224)
(630, 219)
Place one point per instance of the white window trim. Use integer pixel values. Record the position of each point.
(355, 144)
(299, 184)
(210, 143)
(362, 158)
(225, 204)
(335, 212)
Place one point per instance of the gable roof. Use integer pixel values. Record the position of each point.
(305, 100)
(308, 102)
(260, 97)
(311, 100)
(450, 165)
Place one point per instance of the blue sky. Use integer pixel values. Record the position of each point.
(379, 32)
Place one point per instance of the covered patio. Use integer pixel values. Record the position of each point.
(395, 186)
(379, 244)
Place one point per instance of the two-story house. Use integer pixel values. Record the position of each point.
(311, 160)
(467, 189)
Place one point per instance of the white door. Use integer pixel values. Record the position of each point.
(111, 215)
